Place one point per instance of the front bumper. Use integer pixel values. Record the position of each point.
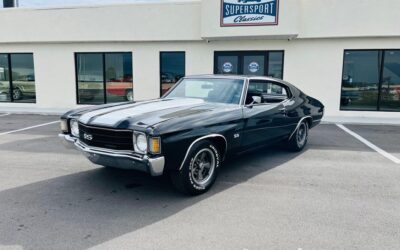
(116, 159)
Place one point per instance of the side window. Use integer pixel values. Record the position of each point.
(270, 92)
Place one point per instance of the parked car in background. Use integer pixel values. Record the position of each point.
(88, 89)
(22, 88)
(121, 87)
(194, 127)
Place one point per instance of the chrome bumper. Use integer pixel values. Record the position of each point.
(116, 159)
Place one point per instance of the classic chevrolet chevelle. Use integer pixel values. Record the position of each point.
(190, 130)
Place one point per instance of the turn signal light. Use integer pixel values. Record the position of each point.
(155, 145)
(64, 126)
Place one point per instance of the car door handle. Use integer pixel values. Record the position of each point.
(282, 111)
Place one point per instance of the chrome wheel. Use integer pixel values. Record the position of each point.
(302, 133)
(129, 95)
(203, 167)
(17, 94)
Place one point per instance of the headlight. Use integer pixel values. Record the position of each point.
(63, 125)
(74, 127)
(140, 142)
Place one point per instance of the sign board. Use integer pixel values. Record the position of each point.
(249, 12)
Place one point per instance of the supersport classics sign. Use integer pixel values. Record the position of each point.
(249, 12)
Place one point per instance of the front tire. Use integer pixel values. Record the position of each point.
(300, 137)
(199, 170)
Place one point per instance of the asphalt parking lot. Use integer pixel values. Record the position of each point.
(336, 194)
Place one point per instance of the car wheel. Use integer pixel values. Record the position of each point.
(300, 137)
(199, 170)
(17, 94)
(129, 95)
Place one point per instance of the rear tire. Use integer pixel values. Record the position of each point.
(300, 137)
(199, 170)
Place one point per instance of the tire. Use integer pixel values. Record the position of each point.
(300, 137)
(17, 94)
(129, 95)
(190, 179)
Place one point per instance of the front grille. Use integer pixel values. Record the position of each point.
(106, 138)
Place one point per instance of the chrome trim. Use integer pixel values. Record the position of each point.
(103, 128)
(242, 102)
(298, 125)
(109, 152)
(157, 166)
(116, 158)
(135, 147)
(202, 138)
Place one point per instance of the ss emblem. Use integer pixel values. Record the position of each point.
(88, 137)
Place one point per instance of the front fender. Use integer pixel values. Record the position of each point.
(176, 146)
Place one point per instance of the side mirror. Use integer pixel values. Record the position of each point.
(256, 99)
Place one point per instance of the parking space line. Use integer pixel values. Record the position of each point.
(369, 144)
(4, 114)
(23, 129)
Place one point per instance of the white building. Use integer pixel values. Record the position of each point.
(344, 53)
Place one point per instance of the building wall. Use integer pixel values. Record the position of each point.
(196, 20)
(314, 65)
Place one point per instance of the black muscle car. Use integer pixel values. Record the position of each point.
(190, 130)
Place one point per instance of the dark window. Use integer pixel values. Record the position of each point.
(371, 80)
(258, 63)
(275, 64)
(172, 69)
(17, 78)
(104, 77)
(390, 88)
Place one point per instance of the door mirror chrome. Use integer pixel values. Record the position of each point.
(256, 99)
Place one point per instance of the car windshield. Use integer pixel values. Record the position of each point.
(210, 90)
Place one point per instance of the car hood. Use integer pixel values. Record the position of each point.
(146, 113)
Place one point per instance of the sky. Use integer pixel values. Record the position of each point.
(39, 3)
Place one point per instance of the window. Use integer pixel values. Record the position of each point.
(270, 92)
(17, 78)
(390, 84)
(172, 69)
(258, 63)
(371, 80)
(104, 77)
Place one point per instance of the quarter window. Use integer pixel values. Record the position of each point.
(371, 80)
(172, 69)
(270, 92)
(104, 77)
(17, 78)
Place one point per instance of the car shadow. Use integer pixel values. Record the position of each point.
(88, 208)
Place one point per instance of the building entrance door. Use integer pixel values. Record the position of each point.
(258, 63)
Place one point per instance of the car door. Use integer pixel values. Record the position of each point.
(266, 121)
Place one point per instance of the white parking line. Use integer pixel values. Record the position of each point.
(371, 145)
(4, 114)
(23, 129)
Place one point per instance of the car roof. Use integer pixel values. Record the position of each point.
(243, 77)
